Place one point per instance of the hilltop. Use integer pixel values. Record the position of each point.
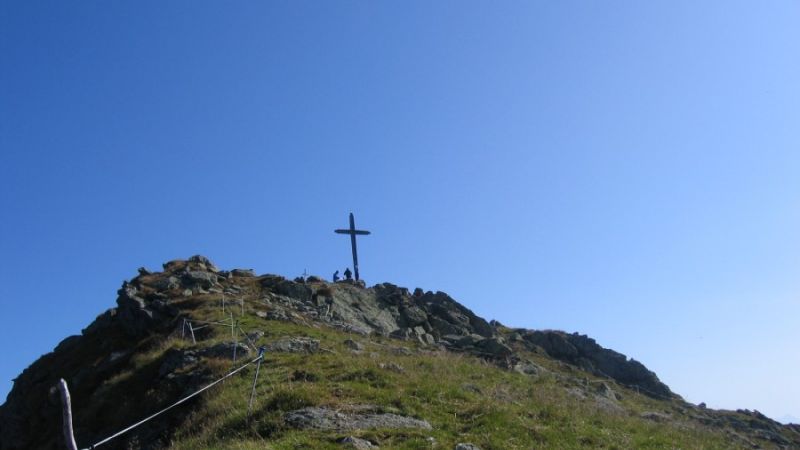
(347, 366)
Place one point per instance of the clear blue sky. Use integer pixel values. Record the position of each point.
(629, 170)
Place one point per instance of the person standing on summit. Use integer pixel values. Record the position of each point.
(348, 275)
(335, 276)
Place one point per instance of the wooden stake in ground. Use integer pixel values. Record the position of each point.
(255, 380)
(66, 412)
(235, 343)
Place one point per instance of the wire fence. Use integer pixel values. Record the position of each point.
(258, 360)
(188, 323)
(234, 325)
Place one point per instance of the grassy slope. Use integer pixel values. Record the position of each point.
(464, 398)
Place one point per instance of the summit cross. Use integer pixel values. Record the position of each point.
(353, 232)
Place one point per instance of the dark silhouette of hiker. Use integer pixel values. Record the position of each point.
(348, 275)
(335, 276)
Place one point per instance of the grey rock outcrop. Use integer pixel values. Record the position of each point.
(139, 317)
(246, 273)
(328, 419)
(197, 278)
(357, 443)
(167, 283)
(287, 288)
(462, 446)
(529, 368)
(294, 345)
(203, 263)
(585, 353)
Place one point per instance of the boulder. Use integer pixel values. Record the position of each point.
(357, 443)
(390, 294)
(246, 273)
(203, 263)
(294, 345)
(134, 314)
(353, 345)
(413, 316)
(291, 289)
(402, 333)
(197, 278)
(604, 390)
(443, 327)
(167, 283)
(529, 368)
(328, 419)
(493, 347)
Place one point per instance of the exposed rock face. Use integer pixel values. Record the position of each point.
(139, 317)
(195, 278)
(435, 318)
(493, 347)
(384, 309)
(584, 352)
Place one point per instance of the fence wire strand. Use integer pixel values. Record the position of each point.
(121, 432)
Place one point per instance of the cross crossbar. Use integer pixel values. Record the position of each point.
(359, 232)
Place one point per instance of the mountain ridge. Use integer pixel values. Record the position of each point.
(111, 379)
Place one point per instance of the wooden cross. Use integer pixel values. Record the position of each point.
(353, 232)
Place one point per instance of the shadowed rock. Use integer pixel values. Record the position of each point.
(584, 352)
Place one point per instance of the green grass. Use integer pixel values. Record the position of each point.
(464, 398)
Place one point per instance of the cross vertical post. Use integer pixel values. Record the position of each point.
(353, 232)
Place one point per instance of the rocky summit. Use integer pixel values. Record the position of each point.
(345, 366)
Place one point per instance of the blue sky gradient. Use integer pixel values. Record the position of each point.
(623, 169)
